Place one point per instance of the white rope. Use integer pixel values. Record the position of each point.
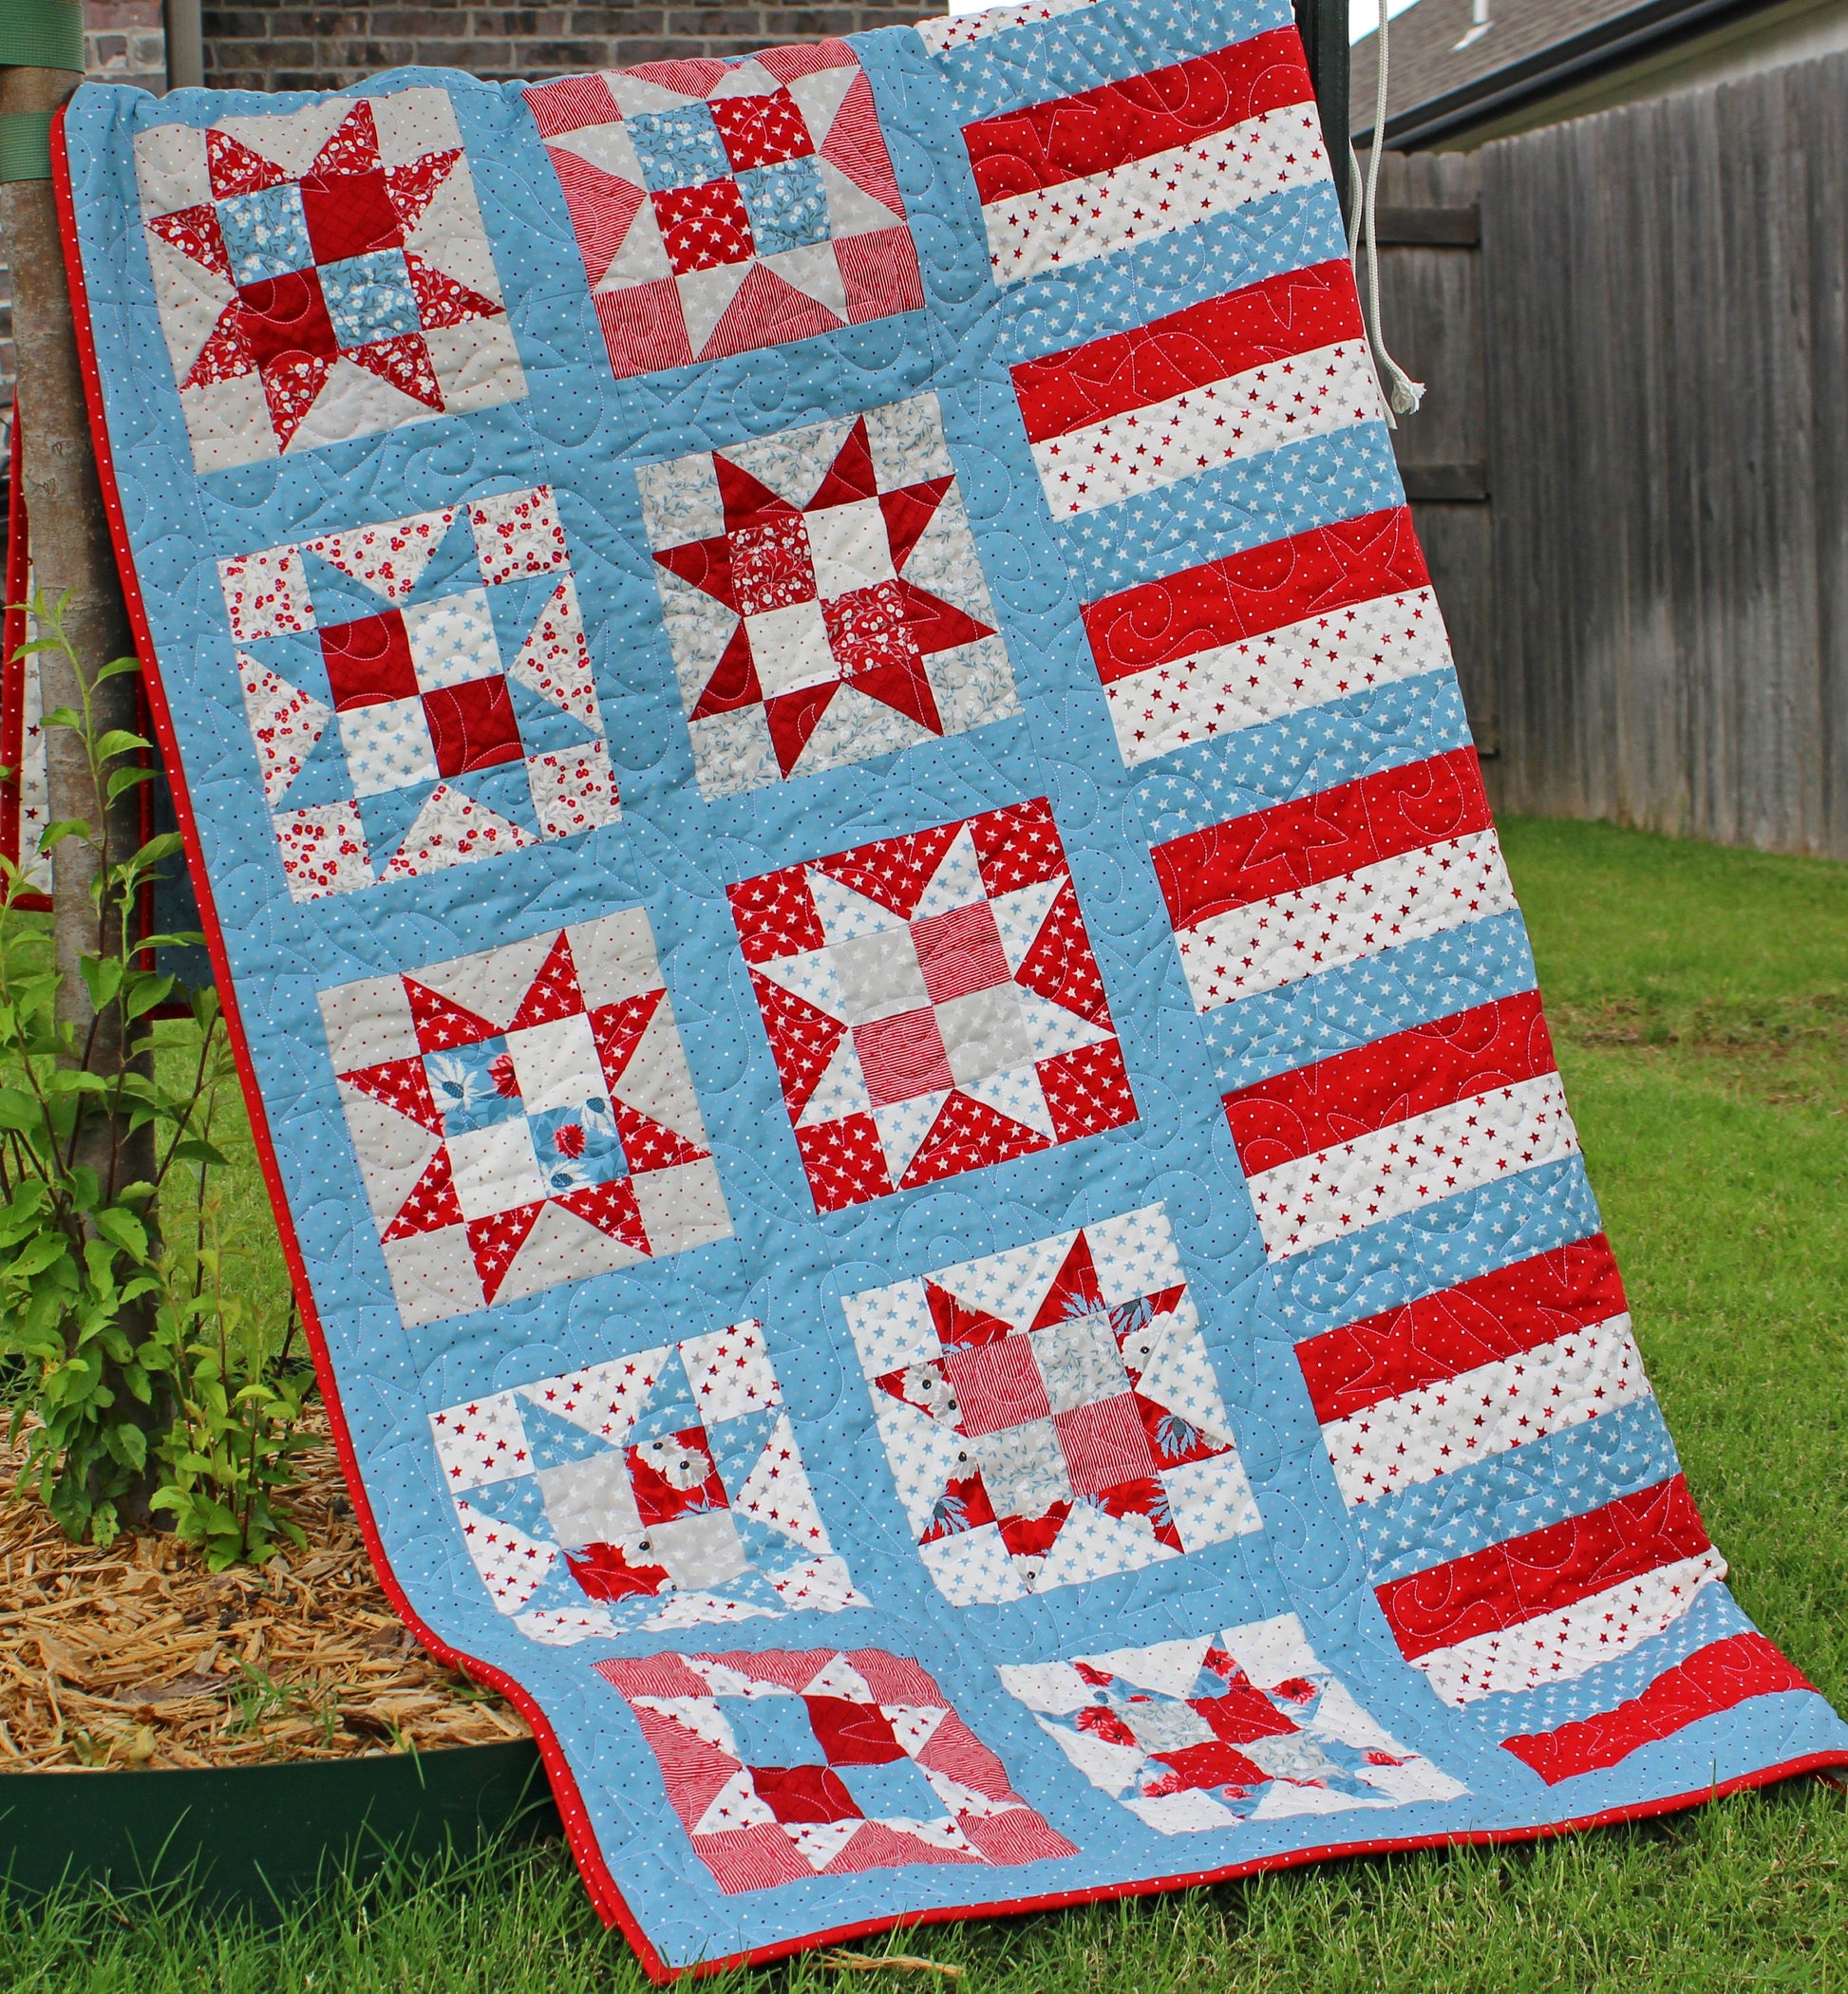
(1399, 391)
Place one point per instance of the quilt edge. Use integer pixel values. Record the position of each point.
(605, 1895)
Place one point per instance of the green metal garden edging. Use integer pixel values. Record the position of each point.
(259, 1834)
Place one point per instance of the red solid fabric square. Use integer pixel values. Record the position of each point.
(704, 228)
(902, 1056)
(960, 951)
(771, 564)
(473, 726)
(368, 662)
(288, 315)
(348, 213)
(997, 1385)
(1105, 1444)
(804, 1793)
(852, 1734)
(759, 131)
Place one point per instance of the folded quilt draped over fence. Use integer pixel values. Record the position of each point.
(897, 1063)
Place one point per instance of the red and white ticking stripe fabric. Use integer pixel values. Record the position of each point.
(1283, 893)
(1136, 411)
(1556, 1602)
(1267, 632)
(1718, 1677)
(1081, 177)
(1364, 1136)
(1457, 1377)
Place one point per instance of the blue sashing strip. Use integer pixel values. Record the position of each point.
(1542, 1482)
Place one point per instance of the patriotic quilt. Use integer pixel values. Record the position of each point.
(903, 1084)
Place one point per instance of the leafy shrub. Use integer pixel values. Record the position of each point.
(142, 1380)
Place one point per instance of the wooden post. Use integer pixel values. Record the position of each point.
(71, 553)
(70, 546)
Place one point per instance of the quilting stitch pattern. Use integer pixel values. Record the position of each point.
(663, 1489)
(1198, 1735)
(724, 206)
(823, 1762)
(524, 1117)
(322, 274)
(932, 1004)
(458, 722)
(1061, 479)
(1050, 1413)
(824, 597)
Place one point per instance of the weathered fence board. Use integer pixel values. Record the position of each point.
(1664, 294)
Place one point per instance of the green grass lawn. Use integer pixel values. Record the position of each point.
(1700, 1004)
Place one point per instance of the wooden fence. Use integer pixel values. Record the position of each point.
(1646, 351)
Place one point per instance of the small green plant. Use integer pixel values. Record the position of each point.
(141, 1380)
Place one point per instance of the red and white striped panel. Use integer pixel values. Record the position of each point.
(1269, 632)
(1548, 1605)
(1284, 893)
(1720, 1676)
(1365, 1137)
(1480, 1369)
(1081, 177)
(1222, 380)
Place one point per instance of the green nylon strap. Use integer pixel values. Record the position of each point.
(42, 34)
(25, 146)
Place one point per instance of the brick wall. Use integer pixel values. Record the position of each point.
(124, 42)
(280, 44)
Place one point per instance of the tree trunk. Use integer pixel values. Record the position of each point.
(71, 552)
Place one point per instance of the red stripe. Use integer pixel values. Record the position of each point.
(1072, 137)
(1292, 313)
(1433, 1065)
(1320, 837)
(1313, 574)
(1478, 1322)
(1545, 1571)
(1714, 1679)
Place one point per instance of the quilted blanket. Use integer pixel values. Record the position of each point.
(891, 1044)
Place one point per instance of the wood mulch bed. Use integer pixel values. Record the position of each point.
(137, 1656)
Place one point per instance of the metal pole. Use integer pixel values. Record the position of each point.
(1323, 25)
(185, 44)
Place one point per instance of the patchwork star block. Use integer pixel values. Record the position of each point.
(1203, 1734)
(783, 1765)
(1050, 1414)
(524, 1117)
(443, 708)
(660, 1490)
(725, 205)
(823, 599)
(933, 1003)
(322, 274)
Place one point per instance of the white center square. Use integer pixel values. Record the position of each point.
(495, 1169)
(849, 547)
(388, 746)
(557, 1064)
(791, 649)
(452, 640)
